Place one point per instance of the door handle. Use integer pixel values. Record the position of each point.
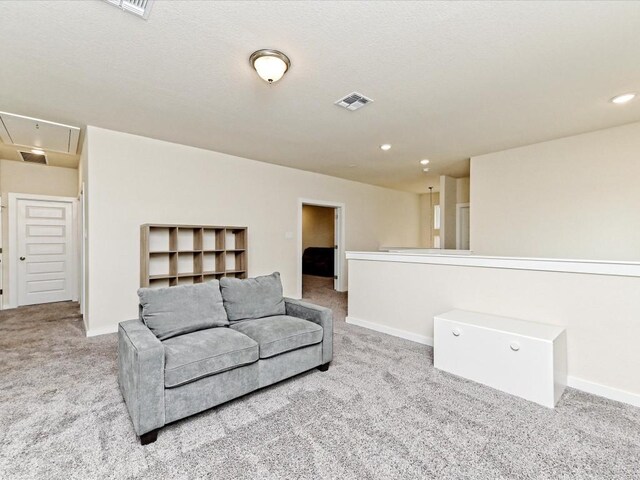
(22, 258)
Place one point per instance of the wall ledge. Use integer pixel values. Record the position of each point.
(591, 267)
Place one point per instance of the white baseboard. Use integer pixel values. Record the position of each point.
(579, 384)
(94, 332)
(396, 332)
(604, 391)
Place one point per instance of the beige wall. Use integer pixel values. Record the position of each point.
(462, 190)
(318, 225)
(426, 212)
(448, 199)
(134, 180)
(599, 312)
(20, 177)
(576, 197)
(426, 219)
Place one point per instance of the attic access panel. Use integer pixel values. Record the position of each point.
(38, 133)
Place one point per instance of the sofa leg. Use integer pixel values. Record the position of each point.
(324, 367)
(149, 437)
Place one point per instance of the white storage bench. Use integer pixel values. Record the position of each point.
(523, 358)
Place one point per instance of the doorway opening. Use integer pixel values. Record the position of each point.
(42, 249)
(320, 245)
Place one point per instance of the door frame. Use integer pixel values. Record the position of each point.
(13, 241)
(460, 206)
(339, 229)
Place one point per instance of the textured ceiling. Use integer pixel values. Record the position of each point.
(450, 80)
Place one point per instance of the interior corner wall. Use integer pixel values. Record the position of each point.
(575, 197)
(427, 232)
(134, 180)
(83, 188)
(463, 189)
(448, 199)
(20, 177)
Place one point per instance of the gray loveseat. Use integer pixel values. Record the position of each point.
(197, 346)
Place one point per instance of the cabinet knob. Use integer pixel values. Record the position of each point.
(515, 346)
(456, 332)
(22, 258)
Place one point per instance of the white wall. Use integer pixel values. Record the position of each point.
(426, 212)
(601, 313)
(132, 180)
(20, 177)
(427, 232)
(448, 199)
(462, 189)
(576, 197)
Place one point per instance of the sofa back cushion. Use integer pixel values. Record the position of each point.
(253, 297)
(172, 311)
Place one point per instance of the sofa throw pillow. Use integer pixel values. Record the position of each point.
(253, 297)
(172, 311)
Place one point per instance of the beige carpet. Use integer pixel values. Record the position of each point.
(319, 290)
(381, 412)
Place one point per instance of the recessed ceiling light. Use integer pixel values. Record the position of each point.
(425, 169)
(424, 162)
(37, 151)
(385, 146)
(624, 98)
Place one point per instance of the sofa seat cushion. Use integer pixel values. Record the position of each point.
(200, 354)
(280, 333)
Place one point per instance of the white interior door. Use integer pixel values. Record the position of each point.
(45, 251)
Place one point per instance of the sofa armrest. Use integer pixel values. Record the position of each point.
(141, 375)
(316, 314)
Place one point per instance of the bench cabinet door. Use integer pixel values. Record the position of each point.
(515, 364)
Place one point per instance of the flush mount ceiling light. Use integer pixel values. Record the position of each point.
(426, 169)
(624, 98)
(271, 65)
(385, 146)
(424, 162)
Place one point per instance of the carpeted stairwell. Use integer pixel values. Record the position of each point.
(381, 411)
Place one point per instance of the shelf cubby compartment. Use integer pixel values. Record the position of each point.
(213, 239)
(160, 283)
(159, 239)
(186, 280)
(235, 238)
(159, 264)
(186, 237)
(213, 261)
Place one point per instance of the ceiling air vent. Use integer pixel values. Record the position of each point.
(34, 158)
(353, 101)
(137, 7)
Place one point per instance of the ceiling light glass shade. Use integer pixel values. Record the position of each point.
(623, 98)
(271, 65)
(385, 146)
(424, 162)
